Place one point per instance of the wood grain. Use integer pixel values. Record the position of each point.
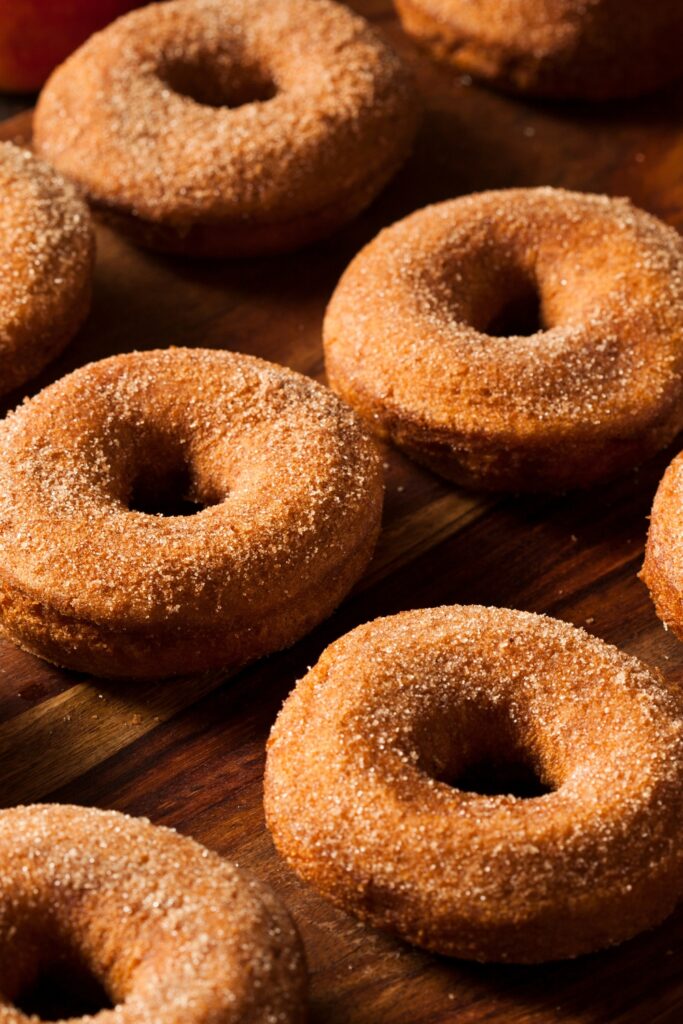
(190, 754)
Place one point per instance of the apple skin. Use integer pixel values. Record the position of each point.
(37, 35)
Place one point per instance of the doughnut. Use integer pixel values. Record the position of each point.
(180, 510)
(662, 570)
(169, 932)
(484, 783)
(47, 250)
(523, 339)
(228, 127)
(580, 49)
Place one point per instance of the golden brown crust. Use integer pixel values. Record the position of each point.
(174, 934)
(292, 494)
(47, 251)
(594, 392)
(663, 567)
(583, 49)
(366, 756)
(317, 115)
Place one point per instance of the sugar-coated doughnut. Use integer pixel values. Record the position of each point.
(374, 788)
(228, 127)
(524, 339)
(172, 933)
(47, 249)
(584, 49)
(663, 567)
(102, 570)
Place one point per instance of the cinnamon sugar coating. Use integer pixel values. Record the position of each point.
(411, 342)
(360, 759)
(225, 127)
(47, 250)
(289, 490)
(174, 934)
(663, 567)
(585, 49)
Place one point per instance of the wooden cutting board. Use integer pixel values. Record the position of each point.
(190, 753)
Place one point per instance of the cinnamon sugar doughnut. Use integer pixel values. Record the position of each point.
(225, 127)
(47, 250)
(172, 933)
(586, 49)
(423, 337)
(374, 789)
(663, 567)
(101, 571)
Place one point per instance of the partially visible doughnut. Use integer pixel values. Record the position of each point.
(228, 127)
(370, 787)
(421, 337)
(172, 933)
(584, 49)
(47, 250)
(285, 486)
(663, 567)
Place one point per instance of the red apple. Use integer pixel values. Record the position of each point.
(36, 35)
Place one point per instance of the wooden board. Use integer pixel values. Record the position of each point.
(190, 754)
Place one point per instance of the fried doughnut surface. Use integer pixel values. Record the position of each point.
(369, 792)
(227, 127)
(523, 339)
(172, 932)
(585, 49)
(47, 250)
(663, 567)
(179, 510)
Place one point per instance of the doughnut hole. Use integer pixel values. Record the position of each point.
(496, 294)
(47, 977)
(519, 315)
(167, 478)
(219, 81)
(512, 287)
(165, 494)
(63, 990)
(168, 489)
(485, 750)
